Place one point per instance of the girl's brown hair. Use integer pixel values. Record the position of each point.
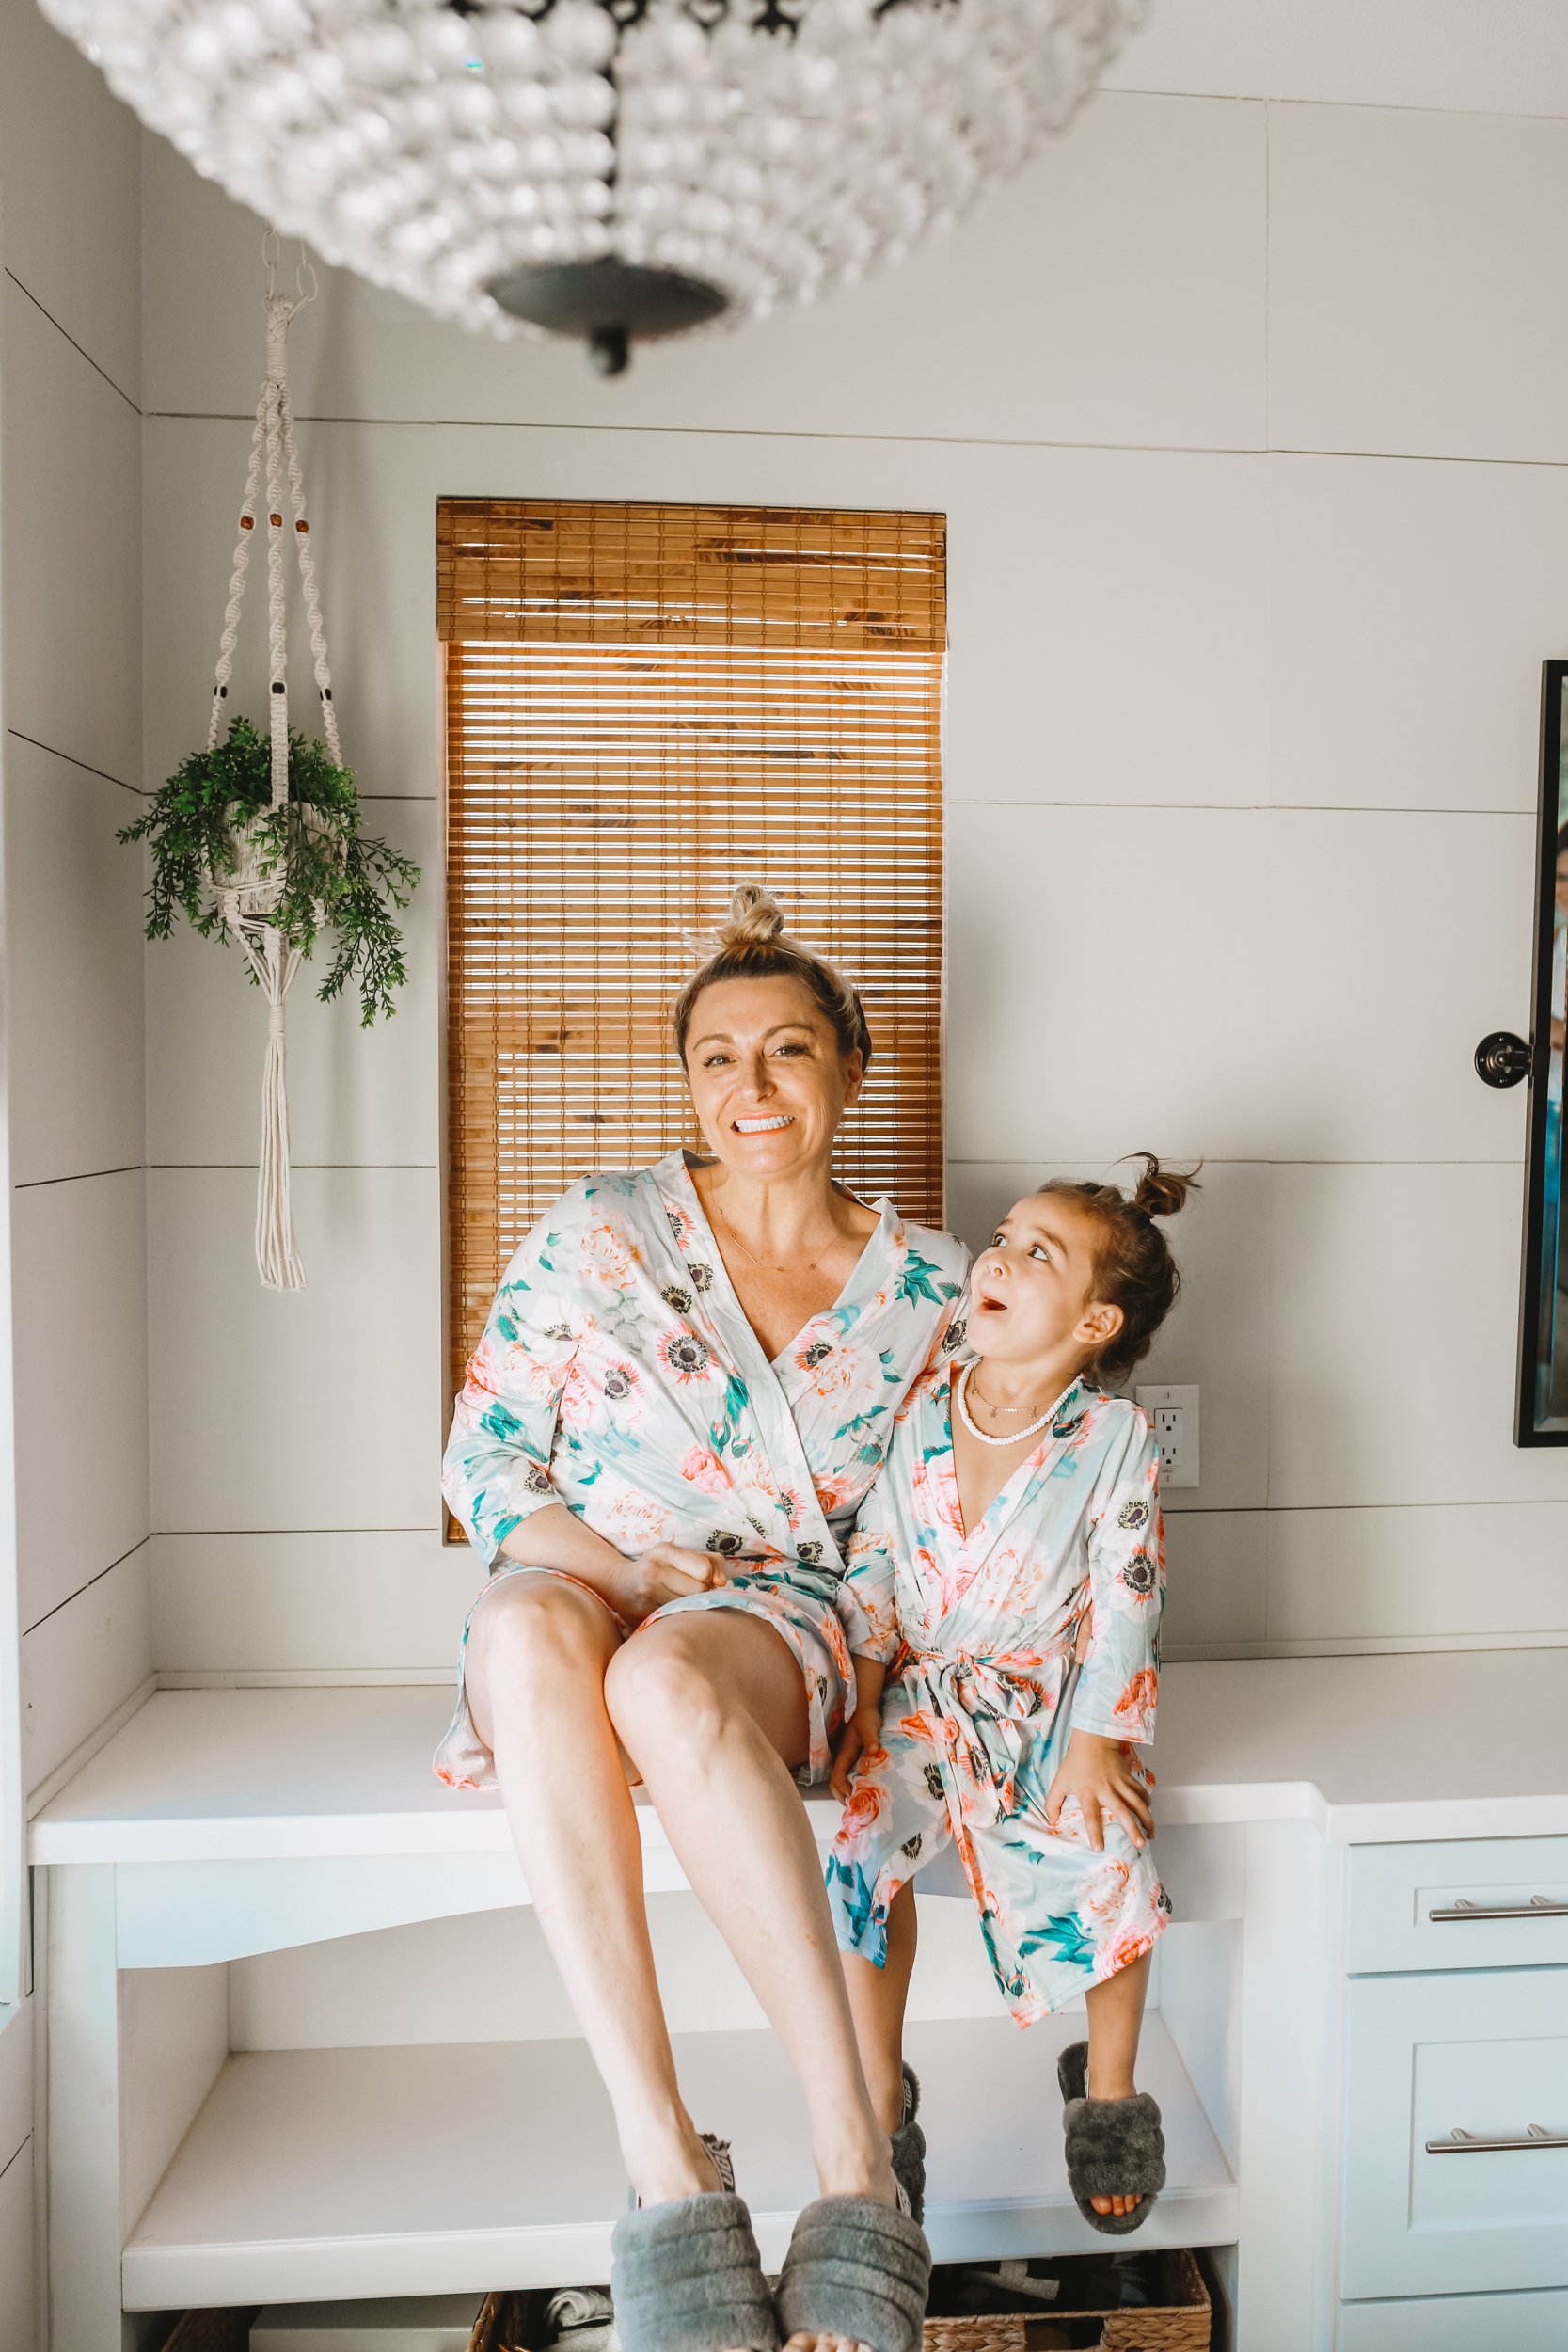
(1133, 1268)
(754, 945)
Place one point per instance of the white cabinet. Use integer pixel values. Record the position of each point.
(1457, 2323)
(1483, 2052)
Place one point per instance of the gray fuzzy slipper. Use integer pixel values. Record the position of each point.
(1114, 2147)
(685, 2276)
(907, 2144)
(856, 2268)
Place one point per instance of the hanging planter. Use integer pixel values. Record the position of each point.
(257, 839)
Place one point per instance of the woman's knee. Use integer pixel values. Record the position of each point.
(658, 1692)
(534, 1635)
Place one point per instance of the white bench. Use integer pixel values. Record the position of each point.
(222, 1826)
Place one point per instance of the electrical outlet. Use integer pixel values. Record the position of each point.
(1174, 1413)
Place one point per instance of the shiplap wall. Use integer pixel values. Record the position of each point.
(70, 436)
(1246, 419)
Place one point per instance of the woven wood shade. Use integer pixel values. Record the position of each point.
(645, 705)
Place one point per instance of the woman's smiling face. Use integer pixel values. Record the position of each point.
(768, 1079)
(1032, 1289)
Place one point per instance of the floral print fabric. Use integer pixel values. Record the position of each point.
(617, 1375)
(979, 1631)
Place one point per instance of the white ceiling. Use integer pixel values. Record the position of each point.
(1490, 57)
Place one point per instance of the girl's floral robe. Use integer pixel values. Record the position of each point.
(618, 1374)
(979, 1632)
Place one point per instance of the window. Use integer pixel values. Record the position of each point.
(644, 706)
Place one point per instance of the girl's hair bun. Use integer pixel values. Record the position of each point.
(756, 919)
(1162, 1191)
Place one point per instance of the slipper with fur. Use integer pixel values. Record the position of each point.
(1114, 2147)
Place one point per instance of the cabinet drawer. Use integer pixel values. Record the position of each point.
(1456, 2323)
(1486, 2053)
(1408, 1906)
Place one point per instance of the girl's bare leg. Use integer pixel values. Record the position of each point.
(878, 1998)
(711, 1708)
(1115, 2009)
(537, 1654)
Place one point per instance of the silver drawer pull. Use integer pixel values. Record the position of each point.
(1538, 1907)
(1471, 2144)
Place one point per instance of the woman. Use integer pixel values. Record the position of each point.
(686, 1387)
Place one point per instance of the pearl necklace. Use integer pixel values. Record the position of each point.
(1012, 1437)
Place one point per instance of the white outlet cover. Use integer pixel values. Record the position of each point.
(1182, 1398)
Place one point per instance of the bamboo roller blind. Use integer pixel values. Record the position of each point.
(645, 705)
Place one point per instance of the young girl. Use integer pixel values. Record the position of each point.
(1002, 1603)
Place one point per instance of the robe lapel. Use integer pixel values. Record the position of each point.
(756, 1412)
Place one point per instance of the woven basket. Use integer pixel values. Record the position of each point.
(502, 2325)
(212, 2331)
(1180, 2322)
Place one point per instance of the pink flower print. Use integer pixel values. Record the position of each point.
(578, 1398)
(867, 1804)
(1137, 1703)
(837, 1494)
(702, 1468)
(629, 1520)
(609, 1256)
(830, 1369)
(681, 1229)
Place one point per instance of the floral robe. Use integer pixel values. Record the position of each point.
(618, 1374)
(979, 1632)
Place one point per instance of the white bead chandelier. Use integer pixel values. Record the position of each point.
(607, 168)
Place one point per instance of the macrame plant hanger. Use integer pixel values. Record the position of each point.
(248, 897)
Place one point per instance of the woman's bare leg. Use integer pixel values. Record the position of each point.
(1116, 2008)
(878, 1998)
(537, 1654)
(711, 1708)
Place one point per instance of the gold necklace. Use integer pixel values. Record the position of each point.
(801, 1271)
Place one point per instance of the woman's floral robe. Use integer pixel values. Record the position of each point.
(618, 1374)
(979, 1634)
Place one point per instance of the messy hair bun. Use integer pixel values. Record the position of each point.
(1162, 1191)
(1133, 1268)
(754, 945)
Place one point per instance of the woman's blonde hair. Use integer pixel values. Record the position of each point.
(754, 946)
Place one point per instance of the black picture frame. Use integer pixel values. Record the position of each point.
(1543, 1186)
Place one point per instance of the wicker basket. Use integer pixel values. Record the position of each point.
(502, 2325)
(212, 2331)
(1180, 2321)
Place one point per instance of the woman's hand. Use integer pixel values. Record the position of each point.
(1100, 1773)
(862, 1735)
(665, 1572)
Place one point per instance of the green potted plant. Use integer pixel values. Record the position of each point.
(224, 857)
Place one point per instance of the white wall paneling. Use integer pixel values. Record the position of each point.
(81, 1268)
(1408, 255)
(387, 1601)
(1114, 293)
(1510, 58)
(75, 970)
(71, 167)
(1410, 605)
(317, 1409)
(1395, 1291)
(16, 2251)
(87, 1658)
(71, 610)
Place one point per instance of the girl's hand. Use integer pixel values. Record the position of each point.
(1099, 1773)
(862, 1735)
(663, 1573)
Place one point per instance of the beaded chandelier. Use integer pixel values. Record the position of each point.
(614, 169)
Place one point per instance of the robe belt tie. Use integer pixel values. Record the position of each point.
(982, 1706)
